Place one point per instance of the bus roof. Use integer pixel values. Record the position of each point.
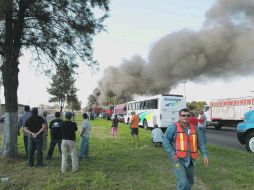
(156, 96)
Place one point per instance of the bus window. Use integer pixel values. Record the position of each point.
(154, 104)
(130, 106)
(141, 105)
(148, 104)
(144, 107)
(138, 106)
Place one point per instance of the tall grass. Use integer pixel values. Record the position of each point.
(119, 164)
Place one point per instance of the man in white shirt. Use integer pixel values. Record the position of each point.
(157, 135)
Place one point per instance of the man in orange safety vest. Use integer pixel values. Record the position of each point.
(182, 140)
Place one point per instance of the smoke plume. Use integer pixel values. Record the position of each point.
(223, 48)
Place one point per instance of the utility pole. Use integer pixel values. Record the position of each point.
(184, 83)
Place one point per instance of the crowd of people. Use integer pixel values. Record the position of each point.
(62, 133)
(181, 140)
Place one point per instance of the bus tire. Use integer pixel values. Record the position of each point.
(145, 124)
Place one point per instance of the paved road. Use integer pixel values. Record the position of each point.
(225, 137)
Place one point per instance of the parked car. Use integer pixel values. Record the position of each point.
(119, 117)
(105, 115)
(245, 131)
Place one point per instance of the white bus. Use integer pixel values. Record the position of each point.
(160, 109)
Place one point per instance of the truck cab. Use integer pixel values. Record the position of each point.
(209, 121)
(245, 131)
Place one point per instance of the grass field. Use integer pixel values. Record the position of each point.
(119, 164)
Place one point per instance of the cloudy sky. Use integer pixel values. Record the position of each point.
(135, 28)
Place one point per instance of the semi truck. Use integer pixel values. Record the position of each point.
(227, 112)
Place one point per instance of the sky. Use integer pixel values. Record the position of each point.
(132, 29)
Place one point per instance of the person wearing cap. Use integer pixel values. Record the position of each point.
(134, 126)
(34, 127)
(182, 140)
(55, 134)
(68, 130)
(21, 123)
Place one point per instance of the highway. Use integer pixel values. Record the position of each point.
(225, 137)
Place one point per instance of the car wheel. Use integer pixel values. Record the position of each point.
(249, 142)
(145, 124)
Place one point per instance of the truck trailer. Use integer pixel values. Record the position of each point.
(227, 112)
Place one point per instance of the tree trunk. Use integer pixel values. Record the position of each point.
(10, 148)
(10, 82)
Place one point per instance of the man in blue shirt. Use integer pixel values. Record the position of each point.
(182, 142)
(21, 123)
(85, 134)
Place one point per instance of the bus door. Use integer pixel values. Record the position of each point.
(170, 107)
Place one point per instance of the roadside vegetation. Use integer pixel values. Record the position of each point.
(119, 164)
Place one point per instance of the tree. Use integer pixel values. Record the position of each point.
(50, 28)
(62, 85)
(91, 101)
(72, 100)
(196, 107)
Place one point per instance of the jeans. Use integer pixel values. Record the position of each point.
(84, 147)
(26, 144)
(45, 141)
(184, 175)
(53, 143)
(35, 144)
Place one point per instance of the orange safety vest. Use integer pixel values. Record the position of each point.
(182, 141)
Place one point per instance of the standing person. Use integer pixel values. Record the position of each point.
(193, 120)
(114, 126)
(202, 125)
(34, 126)
(182, 141)
(45, 132)
(157, 135)
(134, 126)
(55, 134)
(21, 123)
(85, 134)
(68, 130)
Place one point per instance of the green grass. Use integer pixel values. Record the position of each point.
(119, 164)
